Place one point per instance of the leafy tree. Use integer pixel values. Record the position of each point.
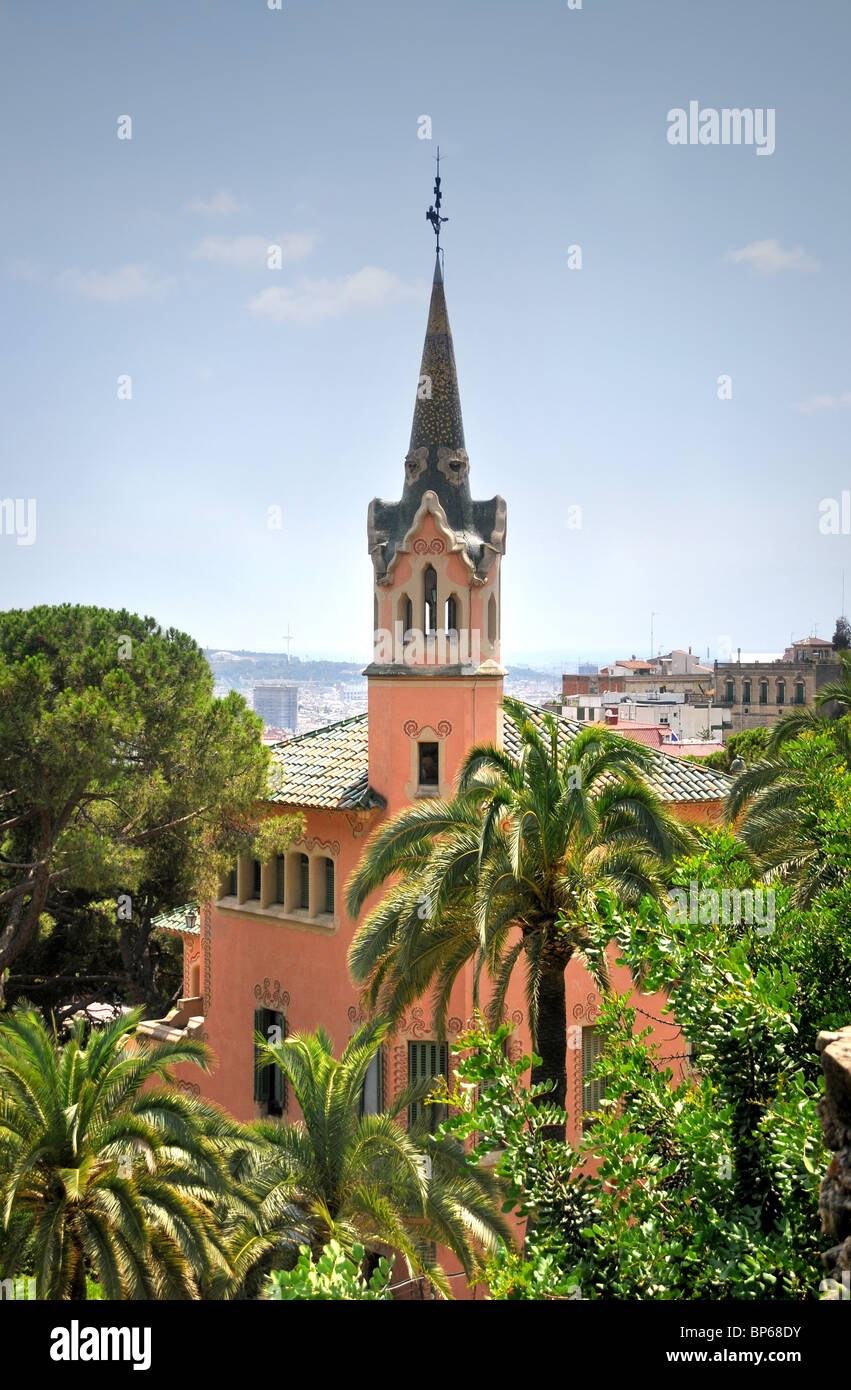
(100, 1172)
(335, 1275)
(361, 1179)
(123, 779)
(507, 874)
(704, 1185)
(842, 635)
(749, 745)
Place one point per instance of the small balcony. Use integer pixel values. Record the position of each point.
(184, 1021)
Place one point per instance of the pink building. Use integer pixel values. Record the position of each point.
(273, 947)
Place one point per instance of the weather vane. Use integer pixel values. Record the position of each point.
(433, 213)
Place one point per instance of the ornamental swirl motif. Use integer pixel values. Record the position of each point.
(589, 1011)
(269, 994)
(433, 547)
(312, 843)
(413, 729)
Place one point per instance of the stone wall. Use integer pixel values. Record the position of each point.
(835, 1193)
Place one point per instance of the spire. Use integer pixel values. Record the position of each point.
(437, 410)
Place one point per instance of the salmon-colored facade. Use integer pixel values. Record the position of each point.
(277, 939)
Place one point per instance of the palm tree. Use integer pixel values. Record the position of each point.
(828, 714)
(783, 805)
(344, 1175)
(101, 1172)
(510, 871)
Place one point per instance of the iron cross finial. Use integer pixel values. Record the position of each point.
(433, 214)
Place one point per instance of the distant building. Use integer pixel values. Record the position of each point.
(277, 704)
(594, 684)
(757, 692)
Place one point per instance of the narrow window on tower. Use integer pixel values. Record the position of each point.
(451, 615)
(429, 774)
(430, 590)
(492, 619)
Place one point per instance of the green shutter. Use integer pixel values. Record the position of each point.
(593, 1090)
(427, 1059)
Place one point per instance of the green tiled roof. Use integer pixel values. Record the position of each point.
(175, 920)
(670, 777)
(327, 767)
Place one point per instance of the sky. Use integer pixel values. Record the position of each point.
(201, 433)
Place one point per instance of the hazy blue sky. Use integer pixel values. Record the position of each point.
(592, 388)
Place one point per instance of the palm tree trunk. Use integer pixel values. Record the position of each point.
(551, 1043)
(77, 1293)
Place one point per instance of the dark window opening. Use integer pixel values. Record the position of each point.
(800, 697)
(781, 692)
(452, 614)
(257, 871)
(763, 692)
(427, 1060)
(232, 883)
(270, 1084)
(429, 775)
(731, 691)
(746, 692)
(430, 587)
(304, 881)
(329, 886)
(279, 879)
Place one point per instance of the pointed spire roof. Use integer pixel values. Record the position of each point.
(437, 466)
(437, 411)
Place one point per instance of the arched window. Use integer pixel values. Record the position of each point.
(800, 696)
(746, 692)
(492, 619)
(405, 614)
(452, 614)
(763, 692)
(430, 594)
(781, 692)
(731, 692)
(304, 881)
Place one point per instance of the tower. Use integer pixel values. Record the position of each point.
(435, 682)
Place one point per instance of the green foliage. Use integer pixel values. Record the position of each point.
(699, 1182)
(339, 1174)
(103, 1175)
(121, 775)
(335, 1274)
(507, 873)
(749, 745)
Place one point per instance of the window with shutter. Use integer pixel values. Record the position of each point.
(593, 1091)
(427, 1060)
(372, 1094)
(270, 1084)
(279, 879)
(304, 882)
(329, 886)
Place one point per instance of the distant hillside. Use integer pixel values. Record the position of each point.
(239, 667)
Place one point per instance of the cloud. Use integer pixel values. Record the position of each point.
(250, 251)
(222, 204)
(823, 403)
(768, 257)
(129, 282)
(313, 300)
